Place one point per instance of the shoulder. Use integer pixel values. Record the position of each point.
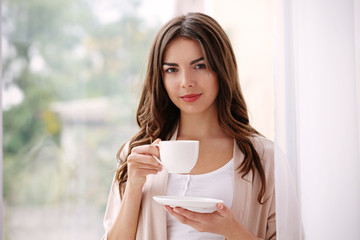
(264, 147)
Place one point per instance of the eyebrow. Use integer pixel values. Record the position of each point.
(191, 63)
(196, 60)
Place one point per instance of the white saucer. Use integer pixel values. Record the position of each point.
(195, 204)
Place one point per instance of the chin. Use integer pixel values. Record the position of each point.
(193, 110)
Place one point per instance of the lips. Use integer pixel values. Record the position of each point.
(191, 97)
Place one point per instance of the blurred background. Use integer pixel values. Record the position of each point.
(71, 77)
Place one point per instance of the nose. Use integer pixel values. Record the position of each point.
(187, 80)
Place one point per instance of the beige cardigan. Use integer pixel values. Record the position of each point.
(257, 218)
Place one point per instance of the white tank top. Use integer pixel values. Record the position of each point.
(216, 184)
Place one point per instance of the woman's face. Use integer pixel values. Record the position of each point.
(191, 85)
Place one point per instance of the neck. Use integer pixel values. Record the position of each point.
(199, 126)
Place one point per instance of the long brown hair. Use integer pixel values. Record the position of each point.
(157, 116)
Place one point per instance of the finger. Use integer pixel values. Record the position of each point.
(143, 159)
(156, 142)
(139, 176)
(144, 172)
(144, 165)
(146, 149)
(134, 166)
(221, 209)
(156, 145)
(194, 216)
(189, 214)
(184, 220)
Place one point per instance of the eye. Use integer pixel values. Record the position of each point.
(200, 66)
(171, 70)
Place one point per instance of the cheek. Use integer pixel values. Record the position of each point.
(215, 84)
(166, 85)
(169, 87)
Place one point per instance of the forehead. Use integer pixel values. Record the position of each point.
(182, 49)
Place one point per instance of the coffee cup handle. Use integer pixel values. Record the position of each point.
(156, 158)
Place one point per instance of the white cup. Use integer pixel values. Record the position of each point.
(178, 156)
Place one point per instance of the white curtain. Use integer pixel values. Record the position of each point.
(317, 119)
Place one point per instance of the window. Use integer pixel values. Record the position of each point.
(71, 76)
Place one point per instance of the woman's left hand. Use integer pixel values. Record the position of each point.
(221, 222)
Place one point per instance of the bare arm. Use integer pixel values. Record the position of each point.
(140, 164)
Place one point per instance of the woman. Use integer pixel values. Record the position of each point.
(192, 92)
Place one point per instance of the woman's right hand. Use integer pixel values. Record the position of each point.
(141, 163)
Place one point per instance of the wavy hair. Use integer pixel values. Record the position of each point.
(158, 117)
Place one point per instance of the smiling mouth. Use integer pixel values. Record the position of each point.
(191, 97)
